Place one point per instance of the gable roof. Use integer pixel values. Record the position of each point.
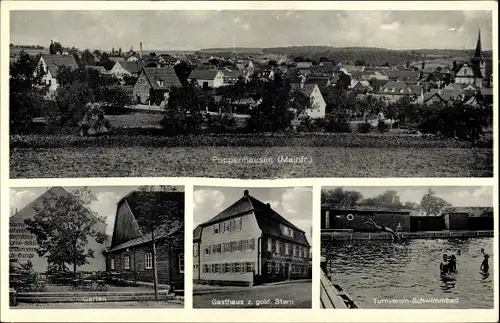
(133, 67)
(200, 74)
(403, 75)
(321, 81)
(166, 74)
(135, 201)
(100, 69)
(304, 65)
(268, 220)
(55, 61)
(307, 88)
(329, 66)
(197, 233)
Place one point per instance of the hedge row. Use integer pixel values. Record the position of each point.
(244, 140)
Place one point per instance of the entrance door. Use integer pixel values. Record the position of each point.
(287, 271)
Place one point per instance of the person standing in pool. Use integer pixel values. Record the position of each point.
(452, 264)
(485, 266)
(444, 266)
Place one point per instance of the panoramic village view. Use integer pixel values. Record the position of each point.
(246, 94)
(407, 247)
(96, 247)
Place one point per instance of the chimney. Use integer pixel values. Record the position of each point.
(140, 53)
(245, 193)
(268, 205)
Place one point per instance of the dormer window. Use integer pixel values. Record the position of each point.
(161, 83)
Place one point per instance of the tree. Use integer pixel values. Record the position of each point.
(272, 63)
(58, 49)
(432, 205)
(182, 70)
(407, 65)
(87, 58)
(343, 82)
(360, 62)
(340, 198)
(161, 217)
(63, 225)
(27, 92)
(183, 112)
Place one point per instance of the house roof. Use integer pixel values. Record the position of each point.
(100, 69)
(321, 81)
(200, 74)
(156, 203)
(449, 94)
(307, 88)
(157, 75)
(197, 233)
(329, 66)
(160, 232)
(54, 61)
(132, 67)
(474, 211)
(231, 73)
(403, 75)
(304, 65)
(268, 220)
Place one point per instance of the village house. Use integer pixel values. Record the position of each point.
(313, 92)
(207, 78)
(116, 58)
(23, 244)
(49, 65)
(249, 243)
(231, 76)
(304, 65)
(125, 68)
(131, 249)
(154, 84)
(407, 77)
(393, 91)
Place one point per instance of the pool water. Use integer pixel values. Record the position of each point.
(407, 275)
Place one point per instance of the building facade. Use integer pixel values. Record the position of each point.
(49, 65)
(131, 249)
(247, 244)
(23, 244)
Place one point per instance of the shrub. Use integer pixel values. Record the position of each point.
(336, 124)
(382, 126)
(309, 125)
(365, 127)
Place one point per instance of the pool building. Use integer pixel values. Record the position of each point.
(247, 244)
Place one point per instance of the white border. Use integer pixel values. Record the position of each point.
(201, 315)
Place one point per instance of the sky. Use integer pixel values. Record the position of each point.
(192, 30)
(455, 195)
(105, 205)
(292, 203)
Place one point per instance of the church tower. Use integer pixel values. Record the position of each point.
(478, 56)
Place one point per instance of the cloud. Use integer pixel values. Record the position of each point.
(203, 197)
(245, 26)
(20, 197)
(393, 26)
(105, 206)
(293, 199)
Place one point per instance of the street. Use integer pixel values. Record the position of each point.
(292, 295)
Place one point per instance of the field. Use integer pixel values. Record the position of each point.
(197, 161)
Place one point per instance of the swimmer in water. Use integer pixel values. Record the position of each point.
(383, 228)
(452, 264)
(444, 265)
(485, 266)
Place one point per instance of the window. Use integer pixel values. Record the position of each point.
(205, 269)
(238, 245)
(269, 267)
(216, 228)
(295, 251)
(126, 262)
(238, 267)
(269, 244)
(250, 244)
(287, 248)
(249, 267)
(281, 248)
(277, 246)
(227, 226)
(212, 268)
(293, 269)
(112, 263)
(208, 250)
(181, 262)
(217, 268)
(306, 253)
(300, 251)
(161, 83)
(233, 246)
(327, 219)
(232, 268)
(216, 248)
(276, 266)
(148, 260)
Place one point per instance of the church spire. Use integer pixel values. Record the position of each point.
(478, 54)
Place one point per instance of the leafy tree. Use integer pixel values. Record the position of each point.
(94, 121)
(183, 70)
(160, 216)
(343, 82)
(183, 112)
(382, 126)
(27, 92)
(340, 198)
(365, 127)
(431, 205)
(272, 63)
(63, 225)
(279, 106)
(360, 62)
(58, 49)
(337, 124)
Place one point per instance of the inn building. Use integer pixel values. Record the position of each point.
(247, 244)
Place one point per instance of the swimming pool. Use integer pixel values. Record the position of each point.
(381, 274)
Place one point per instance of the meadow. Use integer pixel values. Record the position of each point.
(193, 156)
